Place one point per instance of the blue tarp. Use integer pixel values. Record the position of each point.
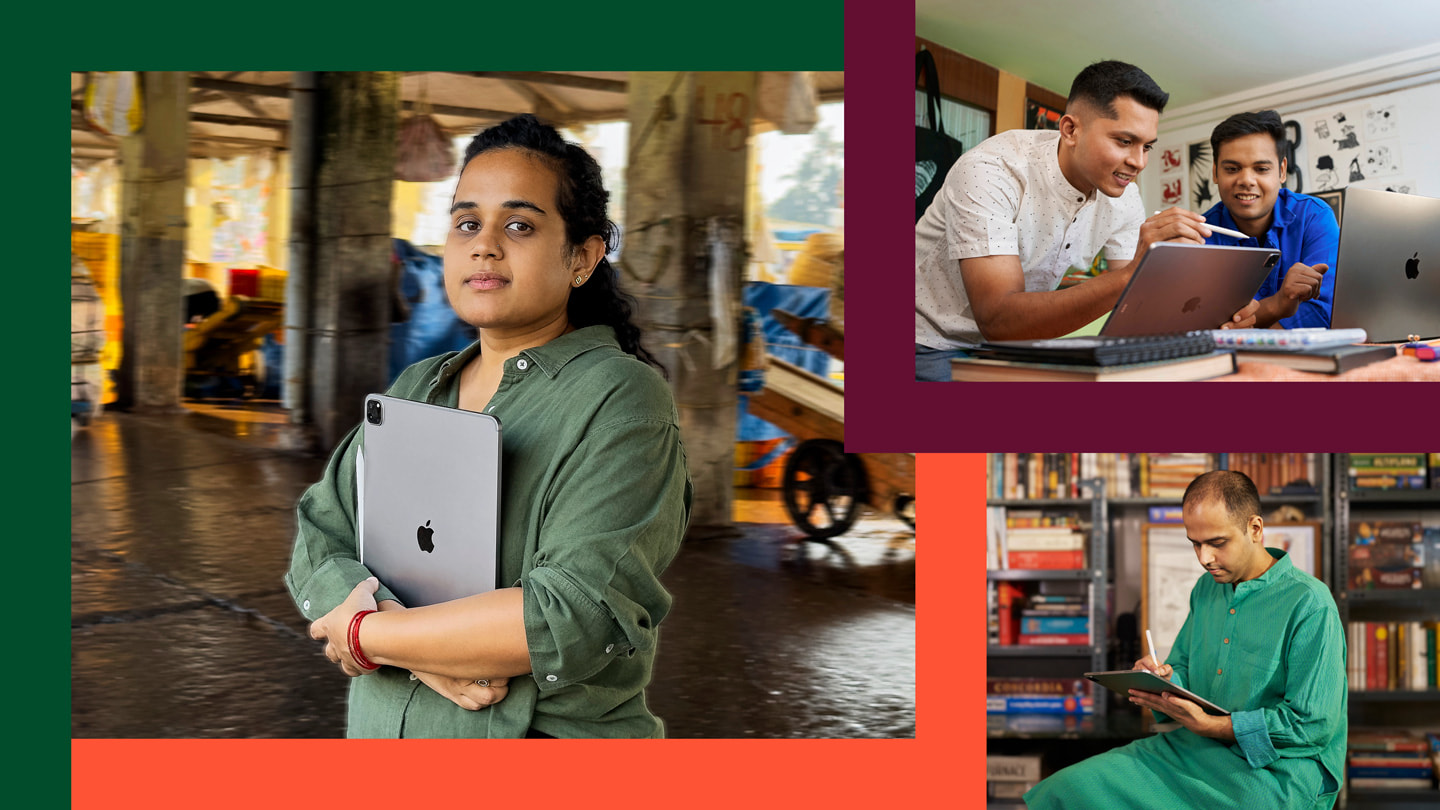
(804, 302)
(433, 327)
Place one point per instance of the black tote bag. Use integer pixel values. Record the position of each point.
(935, 152)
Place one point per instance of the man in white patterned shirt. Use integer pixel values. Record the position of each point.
(1019, 210)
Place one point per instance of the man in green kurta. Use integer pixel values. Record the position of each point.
(1262, 640)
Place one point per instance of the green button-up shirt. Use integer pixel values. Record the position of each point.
(596, 500)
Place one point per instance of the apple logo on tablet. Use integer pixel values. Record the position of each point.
(426, 535)
(1191, 305)
(1412, 266)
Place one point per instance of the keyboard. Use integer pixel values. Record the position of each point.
(1279, 340)
(1101, 350)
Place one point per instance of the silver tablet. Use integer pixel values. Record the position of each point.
(428, 489)
(1122, 681)
(1181, 287)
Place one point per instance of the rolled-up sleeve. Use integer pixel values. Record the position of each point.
(325, 560)
(982, 201)
(613, 519)
(1303, 724)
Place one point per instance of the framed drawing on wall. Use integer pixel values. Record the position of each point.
(1168, 570)
(1301, 541)
(1332, 199)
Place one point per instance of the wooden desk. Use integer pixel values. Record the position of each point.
(1401, 368)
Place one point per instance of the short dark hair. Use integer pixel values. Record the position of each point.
(1249, 123)
(1102, 82)
(1233, 489)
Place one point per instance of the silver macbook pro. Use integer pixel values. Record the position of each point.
(428, 487)
(1387, 278)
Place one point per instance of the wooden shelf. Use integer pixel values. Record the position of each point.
(1043, 573)
(1039, 650)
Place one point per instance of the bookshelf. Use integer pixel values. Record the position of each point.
(1374, 708)
(1073, 660)
(1118, 518)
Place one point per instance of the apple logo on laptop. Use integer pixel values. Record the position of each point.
(425, 535)
(1191, 305)
(1412, 266)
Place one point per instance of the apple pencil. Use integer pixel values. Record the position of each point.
(1226, 231)
(1151, 641)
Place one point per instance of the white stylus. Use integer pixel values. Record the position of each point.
(1151, 641)
(1226, 231)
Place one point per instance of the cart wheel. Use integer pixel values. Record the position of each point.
(905, 509)
(824, 488)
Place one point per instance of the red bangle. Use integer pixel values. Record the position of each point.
(355, 652)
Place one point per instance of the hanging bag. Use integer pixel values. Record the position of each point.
(425, 153)
(935, 152)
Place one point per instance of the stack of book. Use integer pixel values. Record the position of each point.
(1049, 619)
(1391, 760)
(1372, 471)
(1166, 475)
(1386, 554)
(1278, 473)
(1035, 539)
(1388, 656)
(1038, 696)
(1010, 777)
(1044, 613)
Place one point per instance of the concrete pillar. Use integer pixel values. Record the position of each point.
(152, 248)
(356, 121)
(683, 256)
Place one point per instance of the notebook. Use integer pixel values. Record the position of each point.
(1181, 287)
(428, 489)
(1388, 269)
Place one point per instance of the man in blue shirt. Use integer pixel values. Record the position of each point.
(1248, 170)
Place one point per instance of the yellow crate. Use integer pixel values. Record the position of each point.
(272, 283)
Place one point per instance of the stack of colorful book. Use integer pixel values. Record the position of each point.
(1038, 696)
(1372, 471)
(1386, 554)
(1045, 613)
(1390, 760)
(1278, 473)
(1035, 539)
(1054, 620)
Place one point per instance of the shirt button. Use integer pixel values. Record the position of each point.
(609, 647)
(1232, 611)
(551, 678)
(1227, 641)
(306, 606)
(1218, 671)
(522, 364)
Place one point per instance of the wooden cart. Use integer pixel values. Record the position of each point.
(824, 487)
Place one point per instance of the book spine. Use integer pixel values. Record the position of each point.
(1006, 704)
(1055, 624)
(1046, 560)
(1054, 639)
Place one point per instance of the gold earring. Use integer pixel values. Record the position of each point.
(579, 280)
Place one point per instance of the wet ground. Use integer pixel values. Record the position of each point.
(181, 627)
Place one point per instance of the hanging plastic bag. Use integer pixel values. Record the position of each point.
(425, 153)
(112, 102)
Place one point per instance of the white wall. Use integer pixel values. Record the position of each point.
(1407, 82)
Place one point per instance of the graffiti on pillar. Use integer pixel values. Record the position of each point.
(727, 115)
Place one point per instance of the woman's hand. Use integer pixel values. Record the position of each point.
(333, 628)
(466, 693)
